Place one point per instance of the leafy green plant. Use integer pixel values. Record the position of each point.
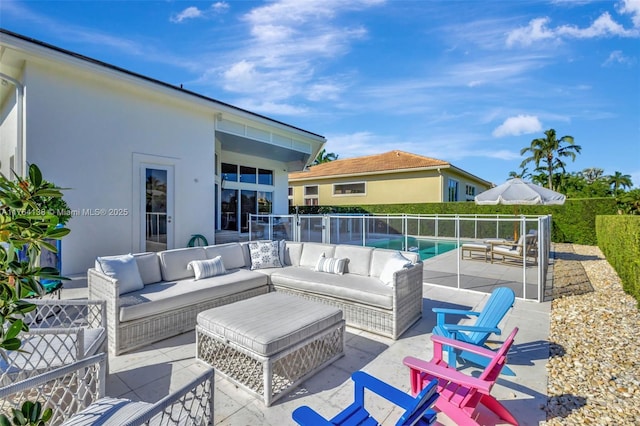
(30, 414)
(25, 226)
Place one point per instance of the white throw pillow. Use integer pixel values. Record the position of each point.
(265, 254)
(124, 268)
(332, 265)
(207, 268)
(395, 263)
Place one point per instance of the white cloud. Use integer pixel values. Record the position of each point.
(291, 43)
(189, 13)
(631, 7)
(536, 30)
(617, 57)
(193, 12)
(603, 26)
(519, 125)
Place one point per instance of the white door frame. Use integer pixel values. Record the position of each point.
(142, 162)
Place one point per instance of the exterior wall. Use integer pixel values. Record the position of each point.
(390, 188)
(410, 187)
(8, 134)
(87, 134)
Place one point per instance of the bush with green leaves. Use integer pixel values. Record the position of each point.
(26, 226)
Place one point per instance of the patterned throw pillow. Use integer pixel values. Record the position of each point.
(265, 254)
(333, 265)
(207, 268)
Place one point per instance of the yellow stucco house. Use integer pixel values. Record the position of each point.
(390, 178)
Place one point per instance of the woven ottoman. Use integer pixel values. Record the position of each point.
(270, 343)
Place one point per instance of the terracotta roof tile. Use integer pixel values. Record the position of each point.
(388, 161)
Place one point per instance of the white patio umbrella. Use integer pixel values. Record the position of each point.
(518, 192)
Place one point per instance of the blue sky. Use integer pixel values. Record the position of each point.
(469, 82)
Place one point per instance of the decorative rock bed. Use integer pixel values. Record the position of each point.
(594, 364)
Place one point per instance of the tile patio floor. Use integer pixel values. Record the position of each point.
(150, 373)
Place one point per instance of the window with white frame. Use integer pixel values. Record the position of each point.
(453, 190)
(311, 195)
(290, 196)
(351, 188)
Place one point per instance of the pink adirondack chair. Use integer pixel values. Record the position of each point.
(460, 394)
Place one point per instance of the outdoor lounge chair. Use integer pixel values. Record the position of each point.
(461, 394)
(60, 333)
(190, 405)
(66, 390)
(486, 324)
(417, 410)
(525, 248)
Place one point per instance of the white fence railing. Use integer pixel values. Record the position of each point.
(371, 230)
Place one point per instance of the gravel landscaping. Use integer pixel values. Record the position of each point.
(594, 363)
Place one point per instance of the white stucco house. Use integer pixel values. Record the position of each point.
(147, 164)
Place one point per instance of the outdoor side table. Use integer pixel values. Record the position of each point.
(270, 343)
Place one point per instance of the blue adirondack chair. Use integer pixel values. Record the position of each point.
(499, 303)
(418, 410)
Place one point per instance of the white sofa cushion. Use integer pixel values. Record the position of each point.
(149, 267)
(292, 253)
(379, 258)
(108, 411)
(173, 263)
(207, 268)
(312, 251)
(232, 255)
(395, 263)
(124, 268)
(164, 296)
(350, 287)
(359, 258)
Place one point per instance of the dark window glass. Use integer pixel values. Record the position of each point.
(229, 172)
(265, 177)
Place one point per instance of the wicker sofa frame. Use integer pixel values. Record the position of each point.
(406, 311)
(129, 335)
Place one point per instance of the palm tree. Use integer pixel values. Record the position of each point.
(324, 157)
(549, 150)
(523, 174)
(618, 180)
(592, 174)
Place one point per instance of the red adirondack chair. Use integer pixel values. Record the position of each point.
(460, 394)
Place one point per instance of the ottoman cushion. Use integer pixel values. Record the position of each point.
(266, 324)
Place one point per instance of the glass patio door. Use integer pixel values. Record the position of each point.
(157, 190)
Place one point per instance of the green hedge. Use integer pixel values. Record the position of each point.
(619, 240)
(573, 222)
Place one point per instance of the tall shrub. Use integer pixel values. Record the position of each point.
(619, 240)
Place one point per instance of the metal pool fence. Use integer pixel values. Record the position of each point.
(526, 276)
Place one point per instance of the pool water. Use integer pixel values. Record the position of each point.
(427, 248)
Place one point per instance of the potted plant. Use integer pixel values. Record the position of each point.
(26, 224)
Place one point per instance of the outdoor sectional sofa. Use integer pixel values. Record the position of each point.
(167, 301)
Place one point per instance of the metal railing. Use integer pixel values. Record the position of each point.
(371, 230)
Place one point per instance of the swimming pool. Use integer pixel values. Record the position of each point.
(427, 248)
